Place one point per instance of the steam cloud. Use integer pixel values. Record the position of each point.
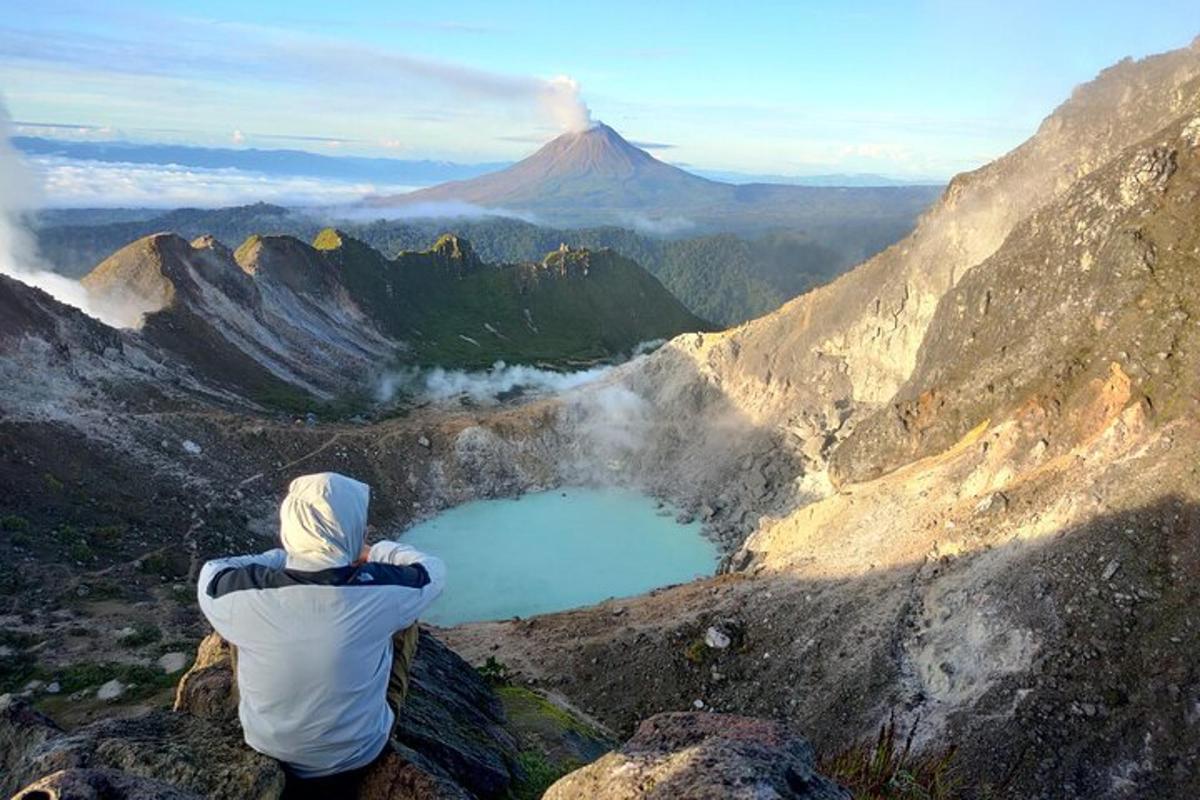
(561, 98)
(18, 253)
(484, 387)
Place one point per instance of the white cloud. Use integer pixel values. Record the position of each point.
(76, 183)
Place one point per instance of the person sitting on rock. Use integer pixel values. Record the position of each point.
(323, 631)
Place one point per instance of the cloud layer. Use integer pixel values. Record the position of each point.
(76, 183)
(19, 191)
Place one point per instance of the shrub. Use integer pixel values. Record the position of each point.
(12, 523)
(495, 672)
(886, 771)
(106, 535)
(143, 634)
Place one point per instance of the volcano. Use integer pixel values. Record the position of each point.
(596, 166)
(596, 176)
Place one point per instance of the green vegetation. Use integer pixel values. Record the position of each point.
(543, 729)
(14, 524)
(886, 770)
(143, 634)
(17, 529)
(73, 543)
(526, 705)
(495, 672)
(291, 400)
(539, 773)
(724, 278)
(12, 581)
(142, 680)
(166, 564)
(571, 308)
(697, 652)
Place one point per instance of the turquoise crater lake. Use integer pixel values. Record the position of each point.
(556, 550)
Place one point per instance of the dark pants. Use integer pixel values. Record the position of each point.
(345, 784)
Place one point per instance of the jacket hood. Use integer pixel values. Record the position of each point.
(323, 521)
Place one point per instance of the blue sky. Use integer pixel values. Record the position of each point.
(906, 89)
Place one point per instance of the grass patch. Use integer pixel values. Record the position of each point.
(141, 681)
(100, 589)
(167, 565)
(143, 634)
(106, 535)
(540, 773)
(888, 770)
(697, 652)
(526, 708)
(14, 524)
(12, 581)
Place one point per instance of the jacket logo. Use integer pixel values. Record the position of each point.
(364, 577)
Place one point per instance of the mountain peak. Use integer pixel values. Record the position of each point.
(598, 150)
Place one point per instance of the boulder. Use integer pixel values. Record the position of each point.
(703, 757)
(207, 690)
(100, 784)
(193, 755)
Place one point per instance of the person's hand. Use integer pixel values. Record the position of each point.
(364, 555)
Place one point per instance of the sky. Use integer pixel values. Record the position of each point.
(906, 89)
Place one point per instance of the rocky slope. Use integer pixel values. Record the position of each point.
(279, 321)
(455, 740)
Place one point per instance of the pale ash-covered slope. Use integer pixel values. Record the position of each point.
(273, 317)
(746, 419)
(856, 339)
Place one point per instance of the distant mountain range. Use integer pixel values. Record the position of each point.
(417, 172)
(825, 179)
(722, 277)
(269, 162)
(596, 176)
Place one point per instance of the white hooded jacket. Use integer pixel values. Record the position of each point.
(314, 632)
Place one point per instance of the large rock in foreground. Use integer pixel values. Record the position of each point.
(703, 757)
(196, 757)
(100, 784)
(451, 743)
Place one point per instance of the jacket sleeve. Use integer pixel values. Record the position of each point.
(218, 610)
(414, 601)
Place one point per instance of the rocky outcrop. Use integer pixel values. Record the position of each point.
(451, 742)
(100, 784)
(703, 757)
(1091, 301)
(193, 755)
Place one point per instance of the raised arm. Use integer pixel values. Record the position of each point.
(427, 581)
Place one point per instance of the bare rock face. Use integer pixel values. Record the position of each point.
(703, 757)
(100, 784)
(197, 757)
